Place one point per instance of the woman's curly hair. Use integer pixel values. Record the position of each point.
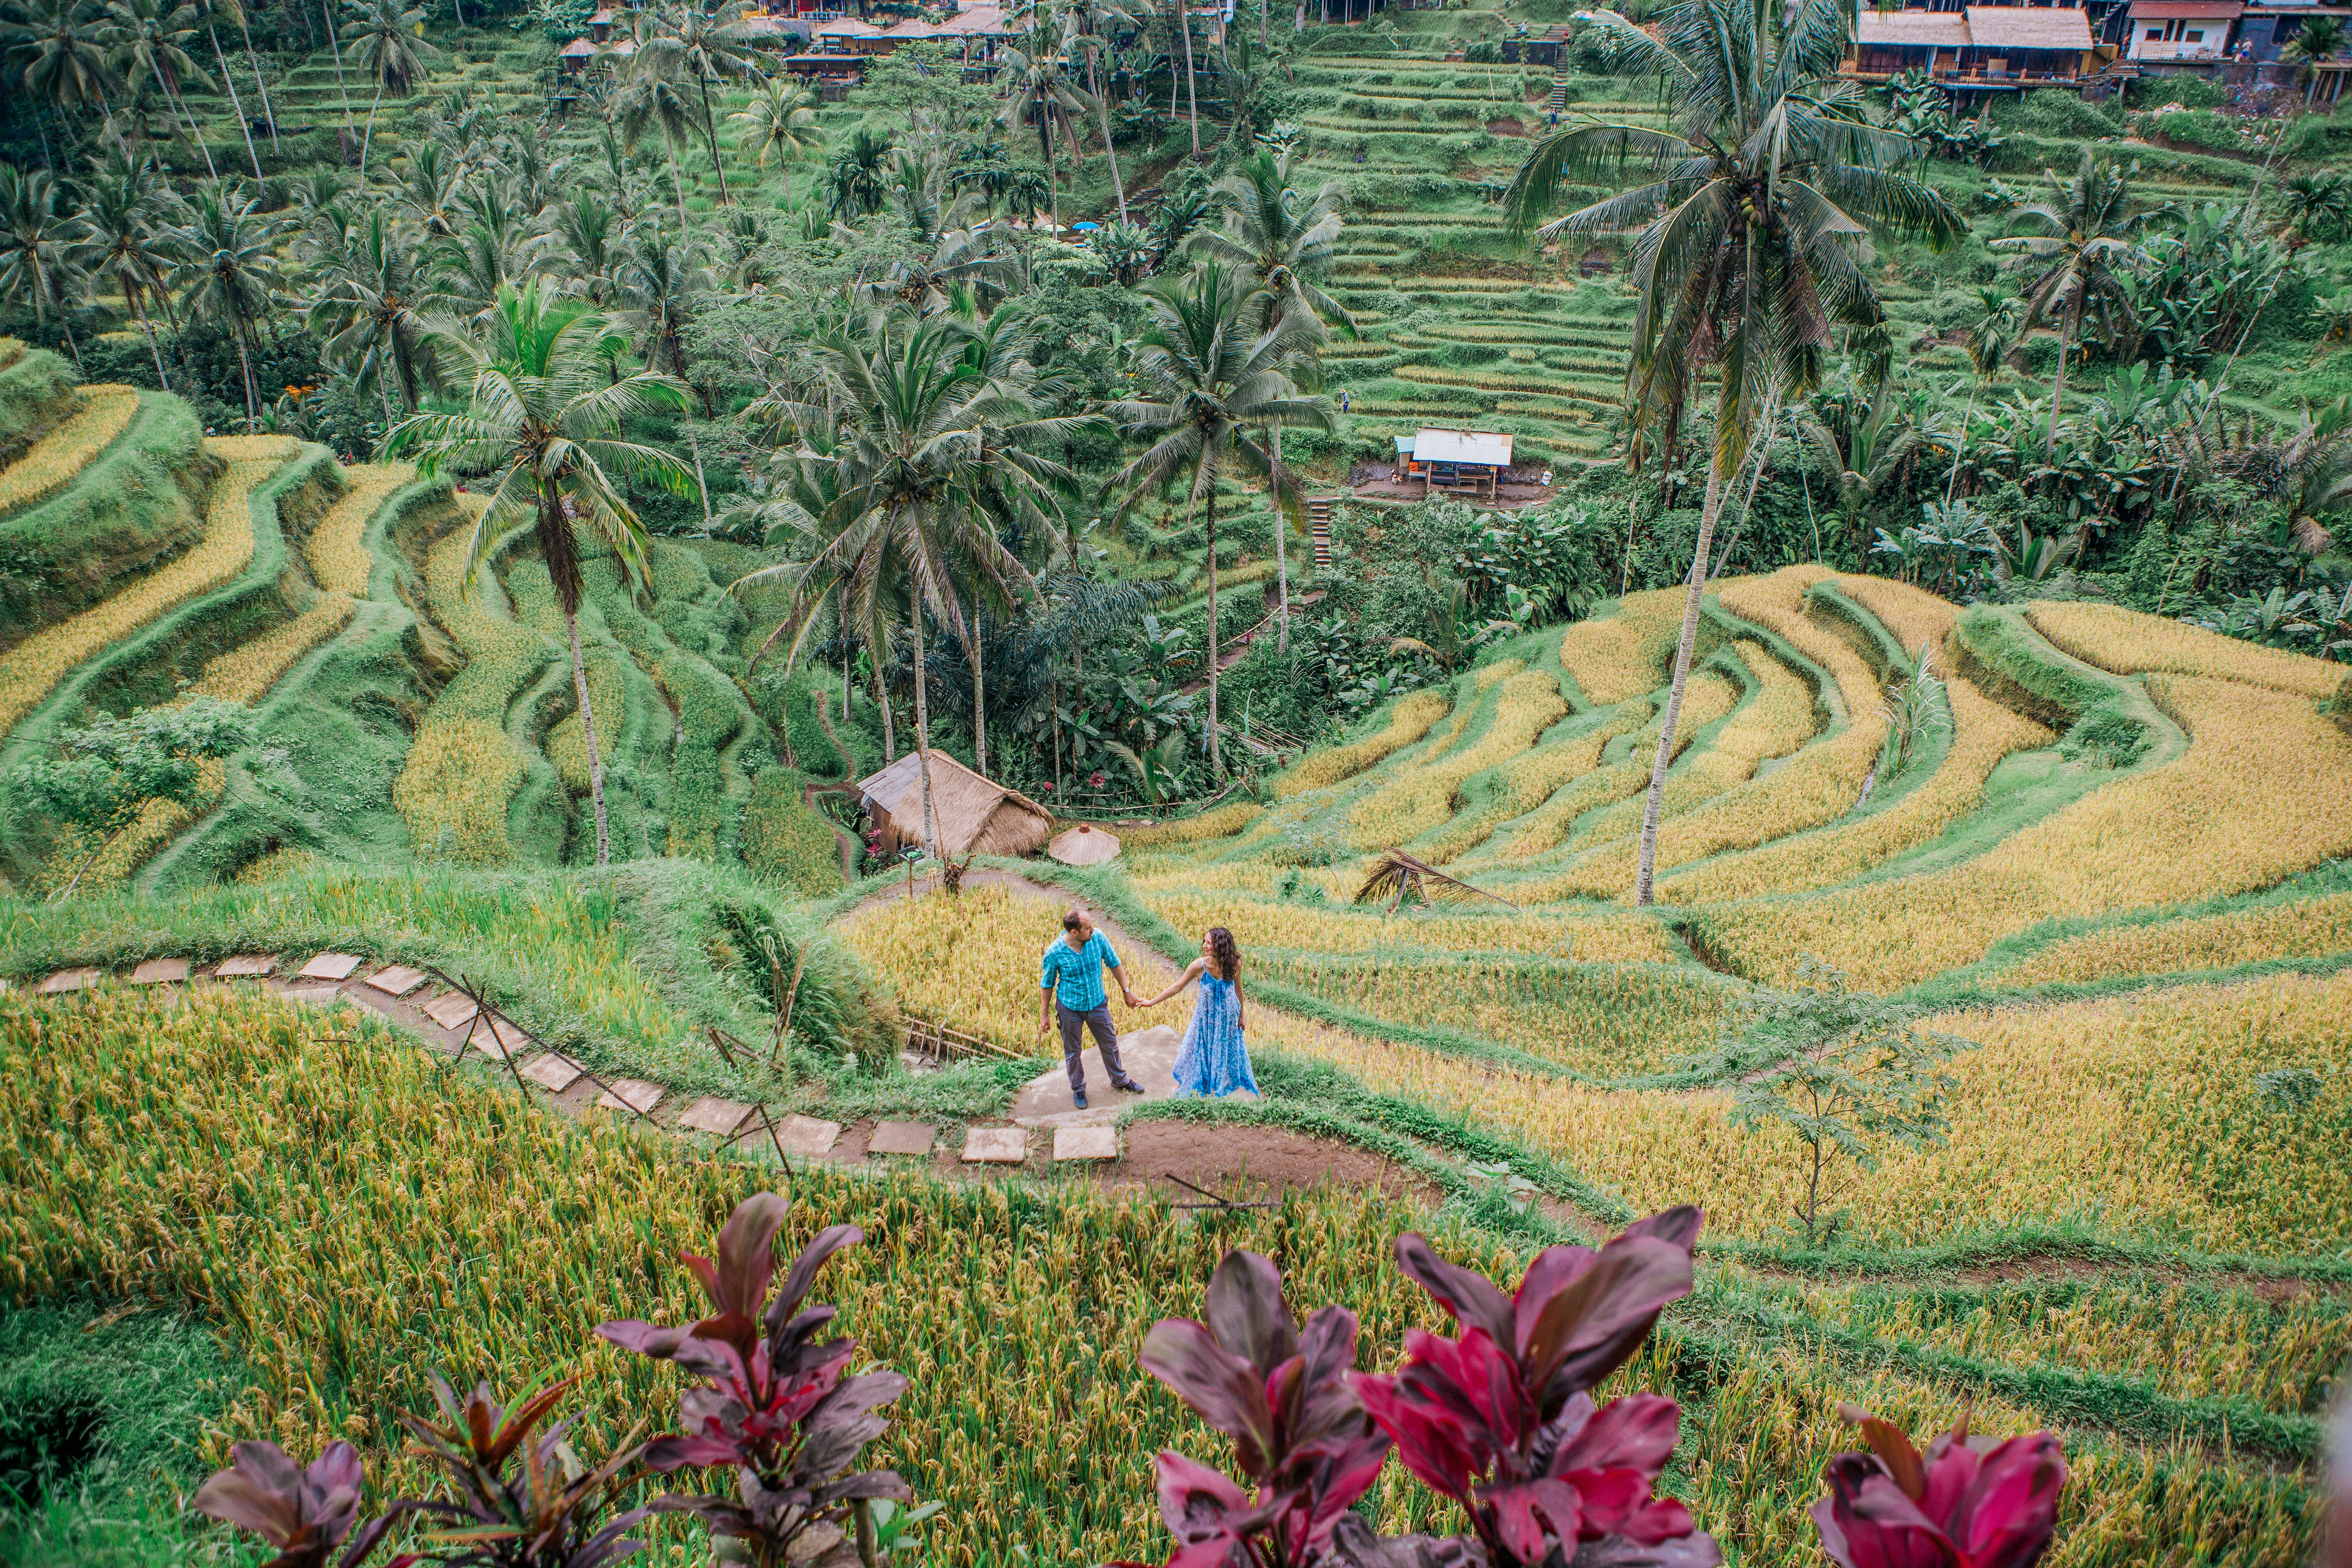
(1224, 957)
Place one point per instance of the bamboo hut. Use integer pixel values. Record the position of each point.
(975, 814)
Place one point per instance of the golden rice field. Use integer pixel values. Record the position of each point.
(58, 459)
(2127, 644)
(337, 550)
(31, 670)
(441, 1226)
(1617, 657)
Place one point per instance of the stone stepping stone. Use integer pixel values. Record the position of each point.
(807, 1135)
(510, 1036)
(330, 966)
(719, 1118)
(902, 1137)
(631, 1094)
(454, 1011)
(397, 980)
(65, 980)
(995, 1145)
(314, 996)
(247, 966)
(1085, 1143)
(556, 1073)
(159, 971)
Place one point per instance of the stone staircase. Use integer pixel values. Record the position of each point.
(1318, 527)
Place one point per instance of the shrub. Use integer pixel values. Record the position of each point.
(786, 840)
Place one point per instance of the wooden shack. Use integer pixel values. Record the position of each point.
(1471, 461)
(974, 813)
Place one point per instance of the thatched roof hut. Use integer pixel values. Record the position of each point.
(1083, 845)
(975, 814)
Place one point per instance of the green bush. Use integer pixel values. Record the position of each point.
(2189, 92)
(35, 393)
(2199, 128)
(785, 840)
(2058, 113)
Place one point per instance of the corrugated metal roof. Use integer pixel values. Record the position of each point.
(1462, 446)
(1914, 29)
(2028, 27)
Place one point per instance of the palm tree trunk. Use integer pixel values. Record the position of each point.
(139, 303)
(65, 320)
(1281, 556)
(710, 130)
(342, 88)
(882, 701)
(1192, 91)
(252, 406)
(676, 181)
(1645, 874)
(1216, 758)
(384, 390)
(979, 690)
(369, 136)
(923, 726)
(261, 83)
(588, 734)
(1102, 105)
(2066, 323)
(236, 106)
(171, 95)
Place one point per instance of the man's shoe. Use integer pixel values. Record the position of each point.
(1130, 1087)
(1080, 1096)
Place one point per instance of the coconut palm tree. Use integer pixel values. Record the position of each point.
(1989, 344)
(123, 220)
(243, 126)
(860, 174)
(2089, 232)
(1040, 94)
(2320, 38)
(703, 45)
(580, 241)
(59, 50)
(543, 414)
(252, 58)
(653, 95)
(1090, 24)
(915, 437)
(1758, 194)
(228, 271)
(147, 43)
(1208, 373)
(1192, 88)
(1278, 234)
(369, 311)
(386, 44)
(44, 252)
(432, 187)
(781, 119)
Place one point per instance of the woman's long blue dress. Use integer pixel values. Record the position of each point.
(1214, 1059)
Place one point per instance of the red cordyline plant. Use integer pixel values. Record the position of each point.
(1281, 1395)
(1501, 1420)
(306, 1513)
(1968, 1502)
(774, 1403)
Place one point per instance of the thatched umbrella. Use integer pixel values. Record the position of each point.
(1083, 846)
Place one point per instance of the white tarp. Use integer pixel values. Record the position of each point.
(1462, 446)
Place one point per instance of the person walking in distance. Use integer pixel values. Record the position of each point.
(1071, 991)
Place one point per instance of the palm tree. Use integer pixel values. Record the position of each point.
(1040, 94)
(386, 43)
(2320, 38)
(702, 47)
(44, 255)
(228, 271)
(253, 57)
(580, 240)
(2088, 232)
(1989, 344)
(917, 438)
(1863, 438)
(59, 49)
(543, 414)
(2316, 205)
(148, 42)
(1278, 235)
(781, 120)
(859, 186)
(121, 215)
(654, 96)
(243, 126)
(1090, 23)
(431, 188)
(1759, 191)
(1191, 89)
(663, 281)
(1210, 372)
(371, 309)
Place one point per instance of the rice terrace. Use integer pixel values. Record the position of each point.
(1038, 784)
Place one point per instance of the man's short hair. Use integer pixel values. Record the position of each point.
(1074, 920)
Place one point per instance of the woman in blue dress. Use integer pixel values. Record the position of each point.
(1214, 1059)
